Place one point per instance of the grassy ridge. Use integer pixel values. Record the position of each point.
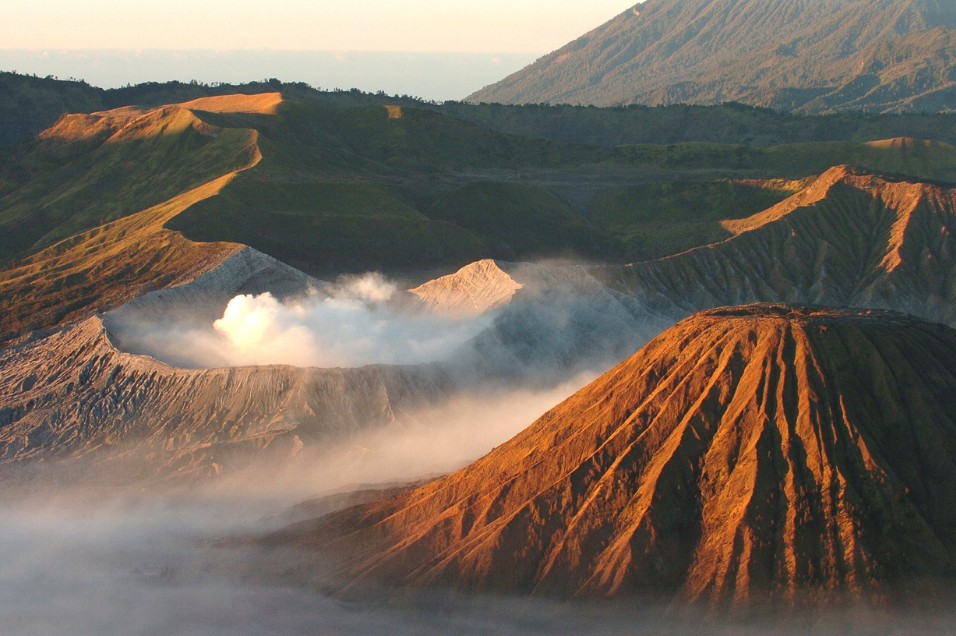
(105, 267)
(351, 189)
(65, 190)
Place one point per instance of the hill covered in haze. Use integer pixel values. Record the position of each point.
(804, 55)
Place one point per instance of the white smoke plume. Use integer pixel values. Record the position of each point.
(359, 321)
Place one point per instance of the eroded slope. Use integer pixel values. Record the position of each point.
(745, 453)
(809, 55)
(851, 238)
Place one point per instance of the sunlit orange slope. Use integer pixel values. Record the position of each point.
(138, 121)
(111, 264)
(746, 453)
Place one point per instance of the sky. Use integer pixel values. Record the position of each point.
(433, 49)
(486, 26)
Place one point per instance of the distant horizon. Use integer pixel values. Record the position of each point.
(433, 49)
(438, 76)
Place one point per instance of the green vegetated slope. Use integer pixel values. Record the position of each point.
(659, 219)
(67, 185)
(355, 189)
(727, 123)
(515, 218)
(327, 227)
(409, 189)
(129, 156)
(358, 189)
(804, 55)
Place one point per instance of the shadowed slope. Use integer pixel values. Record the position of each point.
(763, 449)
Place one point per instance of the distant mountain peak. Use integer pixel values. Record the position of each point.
(808, 55)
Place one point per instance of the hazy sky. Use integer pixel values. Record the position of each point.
(522, 26)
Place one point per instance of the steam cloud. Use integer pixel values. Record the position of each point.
(354, 323)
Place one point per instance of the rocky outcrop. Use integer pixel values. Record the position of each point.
(761, 452)
(472, 290)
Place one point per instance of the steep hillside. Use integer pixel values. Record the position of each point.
(748, 454)
(90, 169)
(113, 263)
(334, 182)
(106, 267)
(847, 238)
(850, 238)
(807, 55)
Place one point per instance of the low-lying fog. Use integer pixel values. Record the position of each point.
(139, 567)
(80, 558)
(88, 558)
